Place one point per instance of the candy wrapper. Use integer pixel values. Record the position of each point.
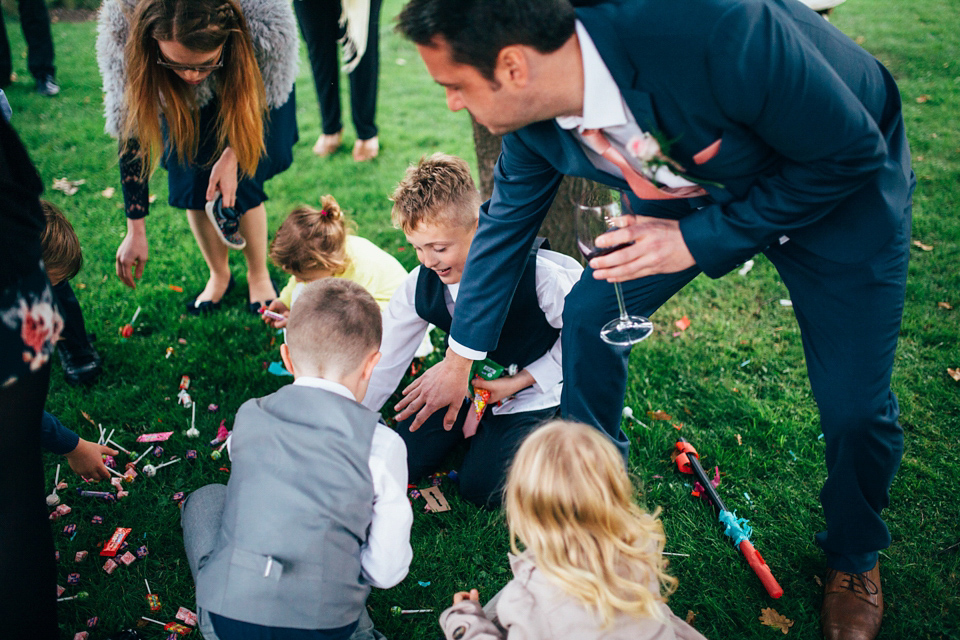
(143, 552)
(128, 558)
(184, 382)
(92, 622)
(69, 530)
(96, 520)
(113, 545)
(80, 557)
(81, 635)
(109, 566)
(177, 628)
(155, 437)
(187, 616)
(153, 601)
(472, 422)
(73, 578)
(60, 591)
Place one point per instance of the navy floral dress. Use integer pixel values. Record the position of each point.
(30, 322)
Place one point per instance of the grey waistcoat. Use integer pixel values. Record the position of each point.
(298, 507)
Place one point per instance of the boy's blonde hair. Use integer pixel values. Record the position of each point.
(62, 256)
(333, 327)
(312, 239)
(570, 502)
(437, 191)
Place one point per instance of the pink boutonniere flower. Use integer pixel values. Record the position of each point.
(644, 147)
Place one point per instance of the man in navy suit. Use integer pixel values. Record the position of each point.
(785, 138)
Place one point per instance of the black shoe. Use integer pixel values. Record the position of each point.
(81, 366)
(226, 222)
(207, 306)
(46, 86)
(254, 307)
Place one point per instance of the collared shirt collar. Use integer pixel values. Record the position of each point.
(602, 100)
(327, 385)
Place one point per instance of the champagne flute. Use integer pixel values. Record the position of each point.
(593, 220)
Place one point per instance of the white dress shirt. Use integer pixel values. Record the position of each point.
(386, 553)
(403, 330)
(604, 108)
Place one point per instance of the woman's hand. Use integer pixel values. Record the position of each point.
(504, 387)
(87, 460)
(460, 596)
(223, 178)
(132, 253)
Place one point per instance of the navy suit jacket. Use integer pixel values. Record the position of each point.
(812, 144)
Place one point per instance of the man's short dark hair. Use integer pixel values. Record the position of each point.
(478, 29)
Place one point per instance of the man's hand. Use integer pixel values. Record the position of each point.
(87, 460)
(132, 253)
(223, 178)
(658, 247)
(460, 596)
(443, 385)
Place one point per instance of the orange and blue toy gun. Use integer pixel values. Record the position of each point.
(736, 528)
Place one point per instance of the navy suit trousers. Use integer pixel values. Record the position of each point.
(849, 317)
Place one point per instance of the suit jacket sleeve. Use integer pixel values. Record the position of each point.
(524, 185)
(768, 76)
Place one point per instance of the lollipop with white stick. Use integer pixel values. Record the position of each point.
(137, 461)
(53, 499)
(126, 451)
(151, 470)
(192, 432)
(628, 414)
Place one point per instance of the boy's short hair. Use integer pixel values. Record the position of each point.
(439, 191)
(335, 324)
(62, 255)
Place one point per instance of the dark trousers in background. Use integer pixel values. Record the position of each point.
(849, 317)
(74, 335)
(490, 452)
(319, 23)
(28, 574)
(35, 22)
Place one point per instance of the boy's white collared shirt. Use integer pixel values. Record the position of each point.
(403, 331)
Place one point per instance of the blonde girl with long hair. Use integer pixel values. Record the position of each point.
(204, 88)
(592, 565)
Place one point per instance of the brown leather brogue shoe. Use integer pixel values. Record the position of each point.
(852, 605)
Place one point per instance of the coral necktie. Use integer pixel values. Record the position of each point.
(639, 184)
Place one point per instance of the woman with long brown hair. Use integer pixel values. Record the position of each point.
(205, 88)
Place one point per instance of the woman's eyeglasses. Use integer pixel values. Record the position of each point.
(200, 68)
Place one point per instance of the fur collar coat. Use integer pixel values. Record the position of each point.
(273, 30)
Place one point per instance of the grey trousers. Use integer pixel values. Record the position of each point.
(200, 519)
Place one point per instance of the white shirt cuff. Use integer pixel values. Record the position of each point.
(466, 352)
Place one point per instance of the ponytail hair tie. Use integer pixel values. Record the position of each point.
(324, 212)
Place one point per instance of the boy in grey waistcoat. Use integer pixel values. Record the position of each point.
(315, 512)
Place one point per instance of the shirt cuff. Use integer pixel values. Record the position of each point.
(466, 352)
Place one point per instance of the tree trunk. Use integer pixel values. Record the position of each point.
(558, 226)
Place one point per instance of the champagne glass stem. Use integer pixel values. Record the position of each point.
(623, 308)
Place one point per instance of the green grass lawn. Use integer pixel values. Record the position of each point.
(735, 379)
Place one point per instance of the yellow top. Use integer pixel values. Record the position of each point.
(370, 266)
